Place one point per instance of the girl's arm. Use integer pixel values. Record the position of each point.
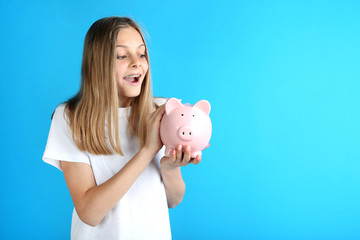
(93, 202)
(171, 174)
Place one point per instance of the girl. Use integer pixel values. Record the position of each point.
(106, 141)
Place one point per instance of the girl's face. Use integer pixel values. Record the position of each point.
(131, 65)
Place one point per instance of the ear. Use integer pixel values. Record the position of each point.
(171, 104)
(204, 106)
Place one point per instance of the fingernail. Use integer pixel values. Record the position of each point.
(187, 148)
(179, 147)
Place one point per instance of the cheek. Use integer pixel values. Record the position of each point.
(119, 71)
(145, 66)
(117, 77)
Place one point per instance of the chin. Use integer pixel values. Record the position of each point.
(129, 91)
(133, 94)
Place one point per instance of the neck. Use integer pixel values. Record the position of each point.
(124, 102)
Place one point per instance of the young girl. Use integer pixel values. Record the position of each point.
(106, 141)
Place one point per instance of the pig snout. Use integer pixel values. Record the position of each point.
(185, 133)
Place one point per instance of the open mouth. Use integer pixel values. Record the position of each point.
(133, 78)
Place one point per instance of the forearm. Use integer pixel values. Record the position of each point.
(174, 186)
(98, 200)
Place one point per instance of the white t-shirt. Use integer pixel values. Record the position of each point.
(142, 213)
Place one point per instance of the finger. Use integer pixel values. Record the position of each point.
(168, 159)
(187, 155)
(179, 153)
(157, 118)
(155, 113)
(196, 160)
(159, 112)
(173, 156)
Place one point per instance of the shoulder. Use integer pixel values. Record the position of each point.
(160, 100)
(60, 108)
(59, 114)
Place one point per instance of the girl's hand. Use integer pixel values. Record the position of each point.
(153, 141)
(178, 159)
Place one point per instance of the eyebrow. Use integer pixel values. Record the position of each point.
(124, 46)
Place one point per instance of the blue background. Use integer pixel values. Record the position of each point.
(283, 78)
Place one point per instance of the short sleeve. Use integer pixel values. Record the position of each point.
(160, 100)
(60, 145)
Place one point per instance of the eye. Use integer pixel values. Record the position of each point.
(142, 55)
(121, 57)
(182, 114)
(193, 115)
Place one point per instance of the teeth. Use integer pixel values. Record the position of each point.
(133, 76)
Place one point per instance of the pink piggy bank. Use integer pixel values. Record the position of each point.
(185, 124)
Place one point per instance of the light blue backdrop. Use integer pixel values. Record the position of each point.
(283, 78)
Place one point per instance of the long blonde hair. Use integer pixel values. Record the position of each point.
(96, 104)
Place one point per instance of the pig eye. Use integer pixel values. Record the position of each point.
(193, 115)
(182, 114)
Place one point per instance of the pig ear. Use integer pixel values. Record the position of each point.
(171, 104)
(204, 106)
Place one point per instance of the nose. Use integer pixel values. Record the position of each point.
(135, 62)
(134, 65)
(185, 133)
